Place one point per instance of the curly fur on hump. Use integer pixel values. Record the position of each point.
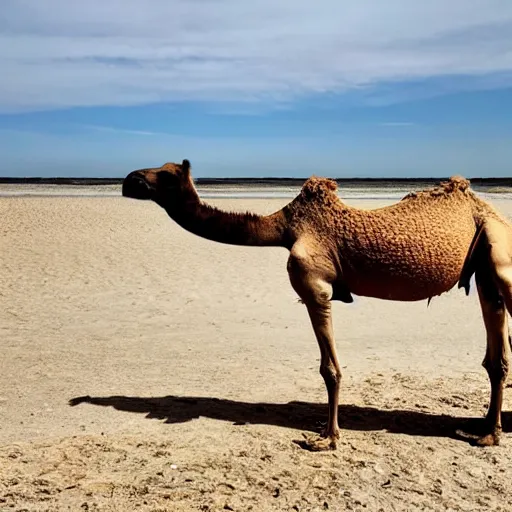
(456, 183)
(445, 188)
(316, 186)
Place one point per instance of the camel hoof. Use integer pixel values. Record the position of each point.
(480, 439)
(318, 443)
(477, 434)
(492, 439)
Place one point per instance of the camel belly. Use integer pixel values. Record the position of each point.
(423, 268)
(392, 287)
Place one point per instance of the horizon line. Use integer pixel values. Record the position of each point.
(115, 180)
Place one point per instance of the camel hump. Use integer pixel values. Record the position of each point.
(316, 186)
(456, 183)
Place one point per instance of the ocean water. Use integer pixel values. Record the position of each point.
(386, 193)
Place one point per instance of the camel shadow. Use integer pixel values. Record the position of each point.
(295, 415)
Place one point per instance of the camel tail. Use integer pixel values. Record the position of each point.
(471, 261)
(490, 248)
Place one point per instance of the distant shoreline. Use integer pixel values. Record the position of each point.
(270, 182)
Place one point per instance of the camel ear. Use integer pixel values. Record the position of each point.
(185, 168)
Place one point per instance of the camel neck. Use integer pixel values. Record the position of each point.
(231, 228)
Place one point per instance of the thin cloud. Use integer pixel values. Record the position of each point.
(112, 129)
(58, 54)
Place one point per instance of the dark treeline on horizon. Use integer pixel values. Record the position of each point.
(496, 182)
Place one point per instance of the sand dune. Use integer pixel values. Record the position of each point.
(194, 369)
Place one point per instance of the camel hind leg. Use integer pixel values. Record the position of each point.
(493, 264)
(496, 357)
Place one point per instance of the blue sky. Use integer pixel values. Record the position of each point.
(338, 88)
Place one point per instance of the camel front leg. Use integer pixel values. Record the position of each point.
(316, 293)
(320, 315)
(496, 357)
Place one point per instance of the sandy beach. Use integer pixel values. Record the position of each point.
(191, 368)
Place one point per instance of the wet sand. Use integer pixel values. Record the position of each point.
(201, 369)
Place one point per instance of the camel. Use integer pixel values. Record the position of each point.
(415, 249)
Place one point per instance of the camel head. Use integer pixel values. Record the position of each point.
(164, 185)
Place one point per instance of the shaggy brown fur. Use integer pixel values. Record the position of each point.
(413, 250)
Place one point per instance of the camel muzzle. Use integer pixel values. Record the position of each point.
(136, 187)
